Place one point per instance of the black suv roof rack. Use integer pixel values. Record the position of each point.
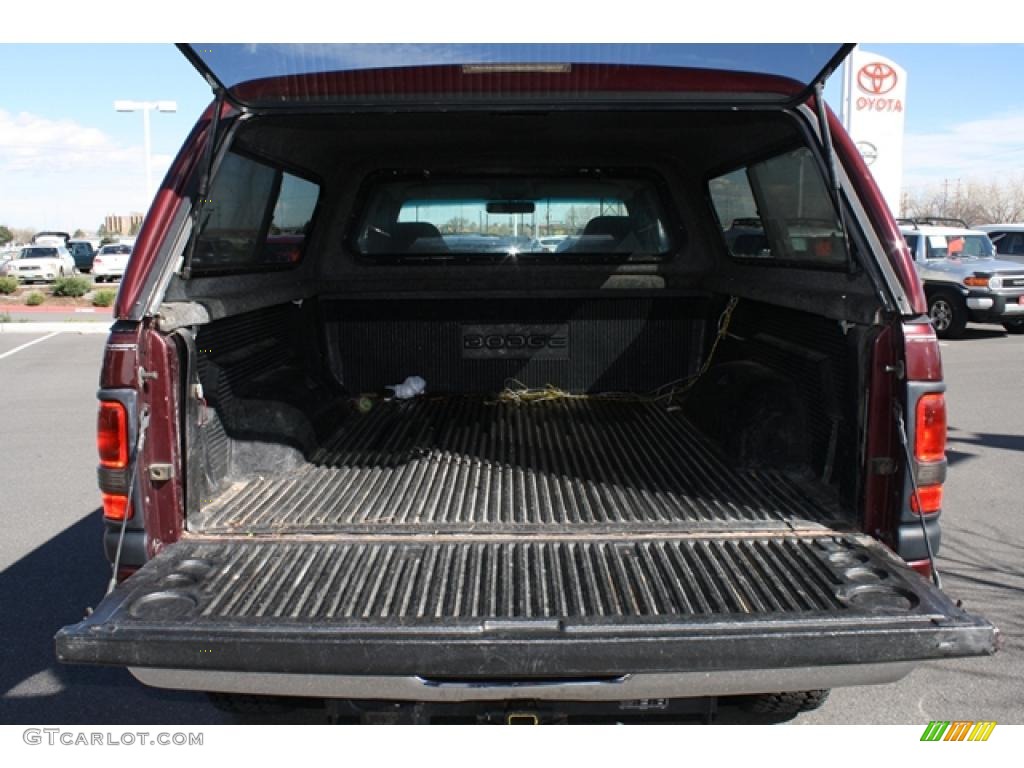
(917, 221)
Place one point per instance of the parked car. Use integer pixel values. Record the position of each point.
(963, 281)
(40, 263)
(745, 238)
(645, 468)
(82, 251)
(1008, 240)
(7, 254)
(110, 262)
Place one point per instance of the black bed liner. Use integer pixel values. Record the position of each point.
(491, 606)
(470, 464)
(456, 537)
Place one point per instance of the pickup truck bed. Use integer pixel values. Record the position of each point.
(474, 464)
(463, 536)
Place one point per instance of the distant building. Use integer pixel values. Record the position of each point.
(123, 225)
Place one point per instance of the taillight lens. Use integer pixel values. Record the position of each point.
(112, 435)
(930, 497)
(112, 445)
(116, 506)
(930, 432)
(923, 567)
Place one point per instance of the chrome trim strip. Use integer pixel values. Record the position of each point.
(628, 687)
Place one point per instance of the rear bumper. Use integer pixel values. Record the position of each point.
(675, 685)
(516, 649)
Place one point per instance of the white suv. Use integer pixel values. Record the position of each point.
(40, 263)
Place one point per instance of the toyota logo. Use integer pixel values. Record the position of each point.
(876, 78)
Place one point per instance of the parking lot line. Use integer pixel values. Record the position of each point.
(10, 352)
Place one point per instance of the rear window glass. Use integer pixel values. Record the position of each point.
(779, 210)
(39, 253)
(502, 218)
(257, 217)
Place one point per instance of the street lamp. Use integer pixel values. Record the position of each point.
(146, 107)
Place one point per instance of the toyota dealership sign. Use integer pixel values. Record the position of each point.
(874, 102)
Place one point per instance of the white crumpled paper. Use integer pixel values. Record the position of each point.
(411, 387)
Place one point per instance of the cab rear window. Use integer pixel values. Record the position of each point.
(487, 219)
(779, 210)
(257, 217)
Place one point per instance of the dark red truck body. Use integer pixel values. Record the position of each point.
(516, 653)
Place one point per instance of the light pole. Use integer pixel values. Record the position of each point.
(145, 107)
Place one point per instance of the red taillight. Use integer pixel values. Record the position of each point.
(112, 435)
(930, 428)
(924, 362)
(116, 507)
(930, 500)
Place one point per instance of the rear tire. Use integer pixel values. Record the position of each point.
(1014, 326)
(948, 313)
(779, 707)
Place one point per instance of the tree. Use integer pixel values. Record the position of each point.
(79, 233)
(5, 235)
(23, 235)
(105, 235)
(458, 224)
(975, 202)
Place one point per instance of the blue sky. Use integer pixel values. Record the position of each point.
(67, 158)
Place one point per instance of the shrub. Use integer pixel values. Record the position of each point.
(8, 284)
(34, 299)
(103, 298)
(71, 286)
(5, 317)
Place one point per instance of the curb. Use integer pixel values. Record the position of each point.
(70, 328)
(56, 309)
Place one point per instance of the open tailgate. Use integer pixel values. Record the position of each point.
(491, 606)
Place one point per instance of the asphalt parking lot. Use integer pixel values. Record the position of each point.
(51, 566)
